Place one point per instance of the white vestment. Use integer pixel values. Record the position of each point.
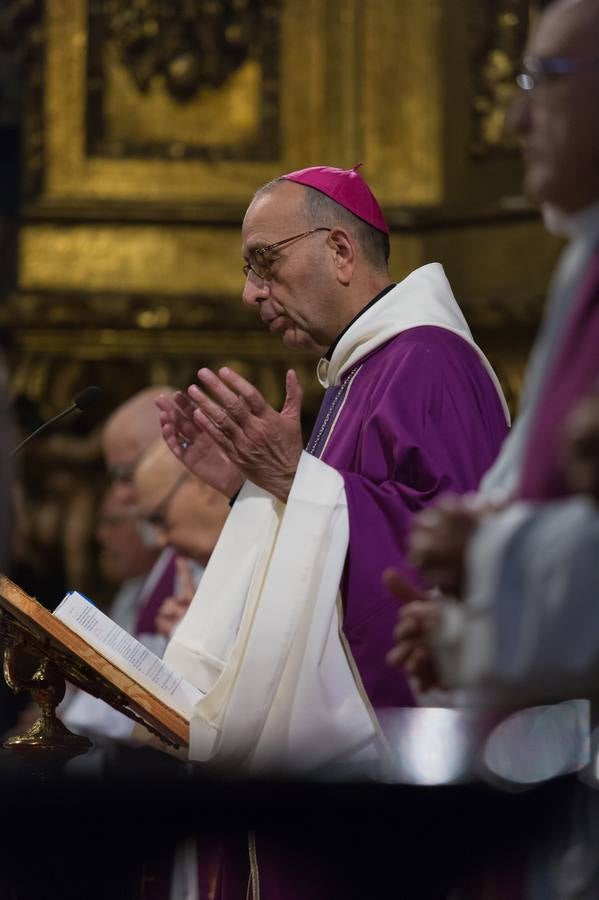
(531, 570)
(528, 631)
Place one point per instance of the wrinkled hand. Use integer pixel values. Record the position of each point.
(264, 445)
(194, 447)
(581, 447)
(174, 608)
(417, 620)
(438, 540)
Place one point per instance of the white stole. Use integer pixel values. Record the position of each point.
(261, 638)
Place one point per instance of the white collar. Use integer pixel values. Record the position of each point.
(423, 298)
(572, 225)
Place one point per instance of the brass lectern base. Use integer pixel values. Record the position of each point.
(48, 734)
(47, 689)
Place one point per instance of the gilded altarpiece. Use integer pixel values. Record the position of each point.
(148, 124)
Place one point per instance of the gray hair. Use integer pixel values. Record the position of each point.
(321, 210)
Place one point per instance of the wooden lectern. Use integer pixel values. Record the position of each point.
(27, 627)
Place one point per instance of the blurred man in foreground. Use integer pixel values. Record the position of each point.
(525, 565)
(526, 631)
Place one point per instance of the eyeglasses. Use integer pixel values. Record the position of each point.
(156, 517)
(113, 521)
(260, 260)
(539, 70)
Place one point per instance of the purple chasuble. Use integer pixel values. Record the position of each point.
(420, 417)
(573, 374)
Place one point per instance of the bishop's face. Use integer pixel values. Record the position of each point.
(292, 296)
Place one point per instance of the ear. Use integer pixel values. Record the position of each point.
(344, 253)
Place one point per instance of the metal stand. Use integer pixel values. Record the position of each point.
(47, 688)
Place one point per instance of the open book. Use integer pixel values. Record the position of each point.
(98, 656)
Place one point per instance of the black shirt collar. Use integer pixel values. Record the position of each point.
(386, 290)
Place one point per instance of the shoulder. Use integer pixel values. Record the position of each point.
(423, 345)
(434, 369)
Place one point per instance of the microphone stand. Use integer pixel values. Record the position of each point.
(42, 427)
(82, 401)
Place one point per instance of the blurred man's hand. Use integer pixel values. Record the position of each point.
(581, 447)
(438, 541)
(417, 620)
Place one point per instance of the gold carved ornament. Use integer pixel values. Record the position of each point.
(192, 44)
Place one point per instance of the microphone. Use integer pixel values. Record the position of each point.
(84, 399)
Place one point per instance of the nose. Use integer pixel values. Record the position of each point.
(518, 115)
(256, 289)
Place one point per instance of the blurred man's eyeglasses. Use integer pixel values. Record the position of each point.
(157, 516)
(539, 70)
(113, 521)
(260, 260)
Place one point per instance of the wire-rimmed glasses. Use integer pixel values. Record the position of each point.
(260, 259)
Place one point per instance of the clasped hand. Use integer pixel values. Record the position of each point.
(438, 541)
(437, 547)
(580, 449)
(418, 618)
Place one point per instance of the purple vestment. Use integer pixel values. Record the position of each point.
(421, 417)
(573, 374)
(160, 589)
